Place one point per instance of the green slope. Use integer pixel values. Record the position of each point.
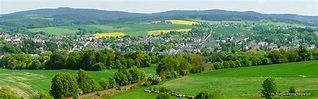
(26, 82)
(245, 82)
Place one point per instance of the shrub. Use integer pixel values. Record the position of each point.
(40, 95)
(97, 87)
(203, 95)
(163, 96)
(99, 66)
(85, 81)
(217, 95)
(154, 80)
(218, 65)
(164, 90)
(292, 89)
(121, 78)
(63, 84)
(104, 83)
(112, 82)
(6, 93)
(269, 88)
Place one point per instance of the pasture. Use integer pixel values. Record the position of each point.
(27, 82)
(231, 30)
(54, 30)
(128, 29)
(243, 82)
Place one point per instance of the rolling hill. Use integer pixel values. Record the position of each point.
(242, 83)
(69, 16)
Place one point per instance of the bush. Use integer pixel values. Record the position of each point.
(269, 88)
(41, 95)
(97, 87)
(6, 93)
(292, 89)
(135, 74)
(112, 82)
(121, 78)
(63, 85)
(163, 96)
(154, 80)
(99, 66)
(147, 83)
(218, 65)
(217, 95)
(164, 90)
(85, 81)
(36, 64)
(203, 95)
(104, 83)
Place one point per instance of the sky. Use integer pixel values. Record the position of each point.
(301, 7)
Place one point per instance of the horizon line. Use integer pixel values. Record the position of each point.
(153, 12)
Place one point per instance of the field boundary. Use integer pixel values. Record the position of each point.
(111, 91)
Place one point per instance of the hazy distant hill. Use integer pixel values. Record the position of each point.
(82, 12)
(67, 16)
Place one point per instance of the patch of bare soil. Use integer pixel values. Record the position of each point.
(18, 91)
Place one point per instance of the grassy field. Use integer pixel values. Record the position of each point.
(129, 29)
(26, 82)
(138, 29)
(231, 30)
(54, 30)
(243, 82)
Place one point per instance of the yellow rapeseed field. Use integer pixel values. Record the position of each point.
(183, 22)
(113, 34)
(158, 32)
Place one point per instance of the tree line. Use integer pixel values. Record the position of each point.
(84, 59)
(64, 85)
(179, 65)
(168, 65)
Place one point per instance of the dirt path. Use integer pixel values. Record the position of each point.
(111, 91)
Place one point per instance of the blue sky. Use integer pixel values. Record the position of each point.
(302, 7)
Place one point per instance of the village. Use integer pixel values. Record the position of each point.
(207, 41)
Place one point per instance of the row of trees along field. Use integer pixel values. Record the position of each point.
(85, 59)
(173, 66)
(64, 85)
(167, 64)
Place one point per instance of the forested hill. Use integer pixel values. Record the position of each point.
(67, 16)
(102, 14)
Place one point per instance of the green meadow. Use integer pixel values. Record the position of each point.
(129, 29)
(27, 82)
(242, 82)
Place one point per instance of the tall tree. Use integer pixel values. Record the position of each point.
(63, 85)
(121, 78)
(135, 73)
(304, 54)
(104, 83)
(85, 82)
(88, 60)
(57, 60)
(199, 64)
(269, 88)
